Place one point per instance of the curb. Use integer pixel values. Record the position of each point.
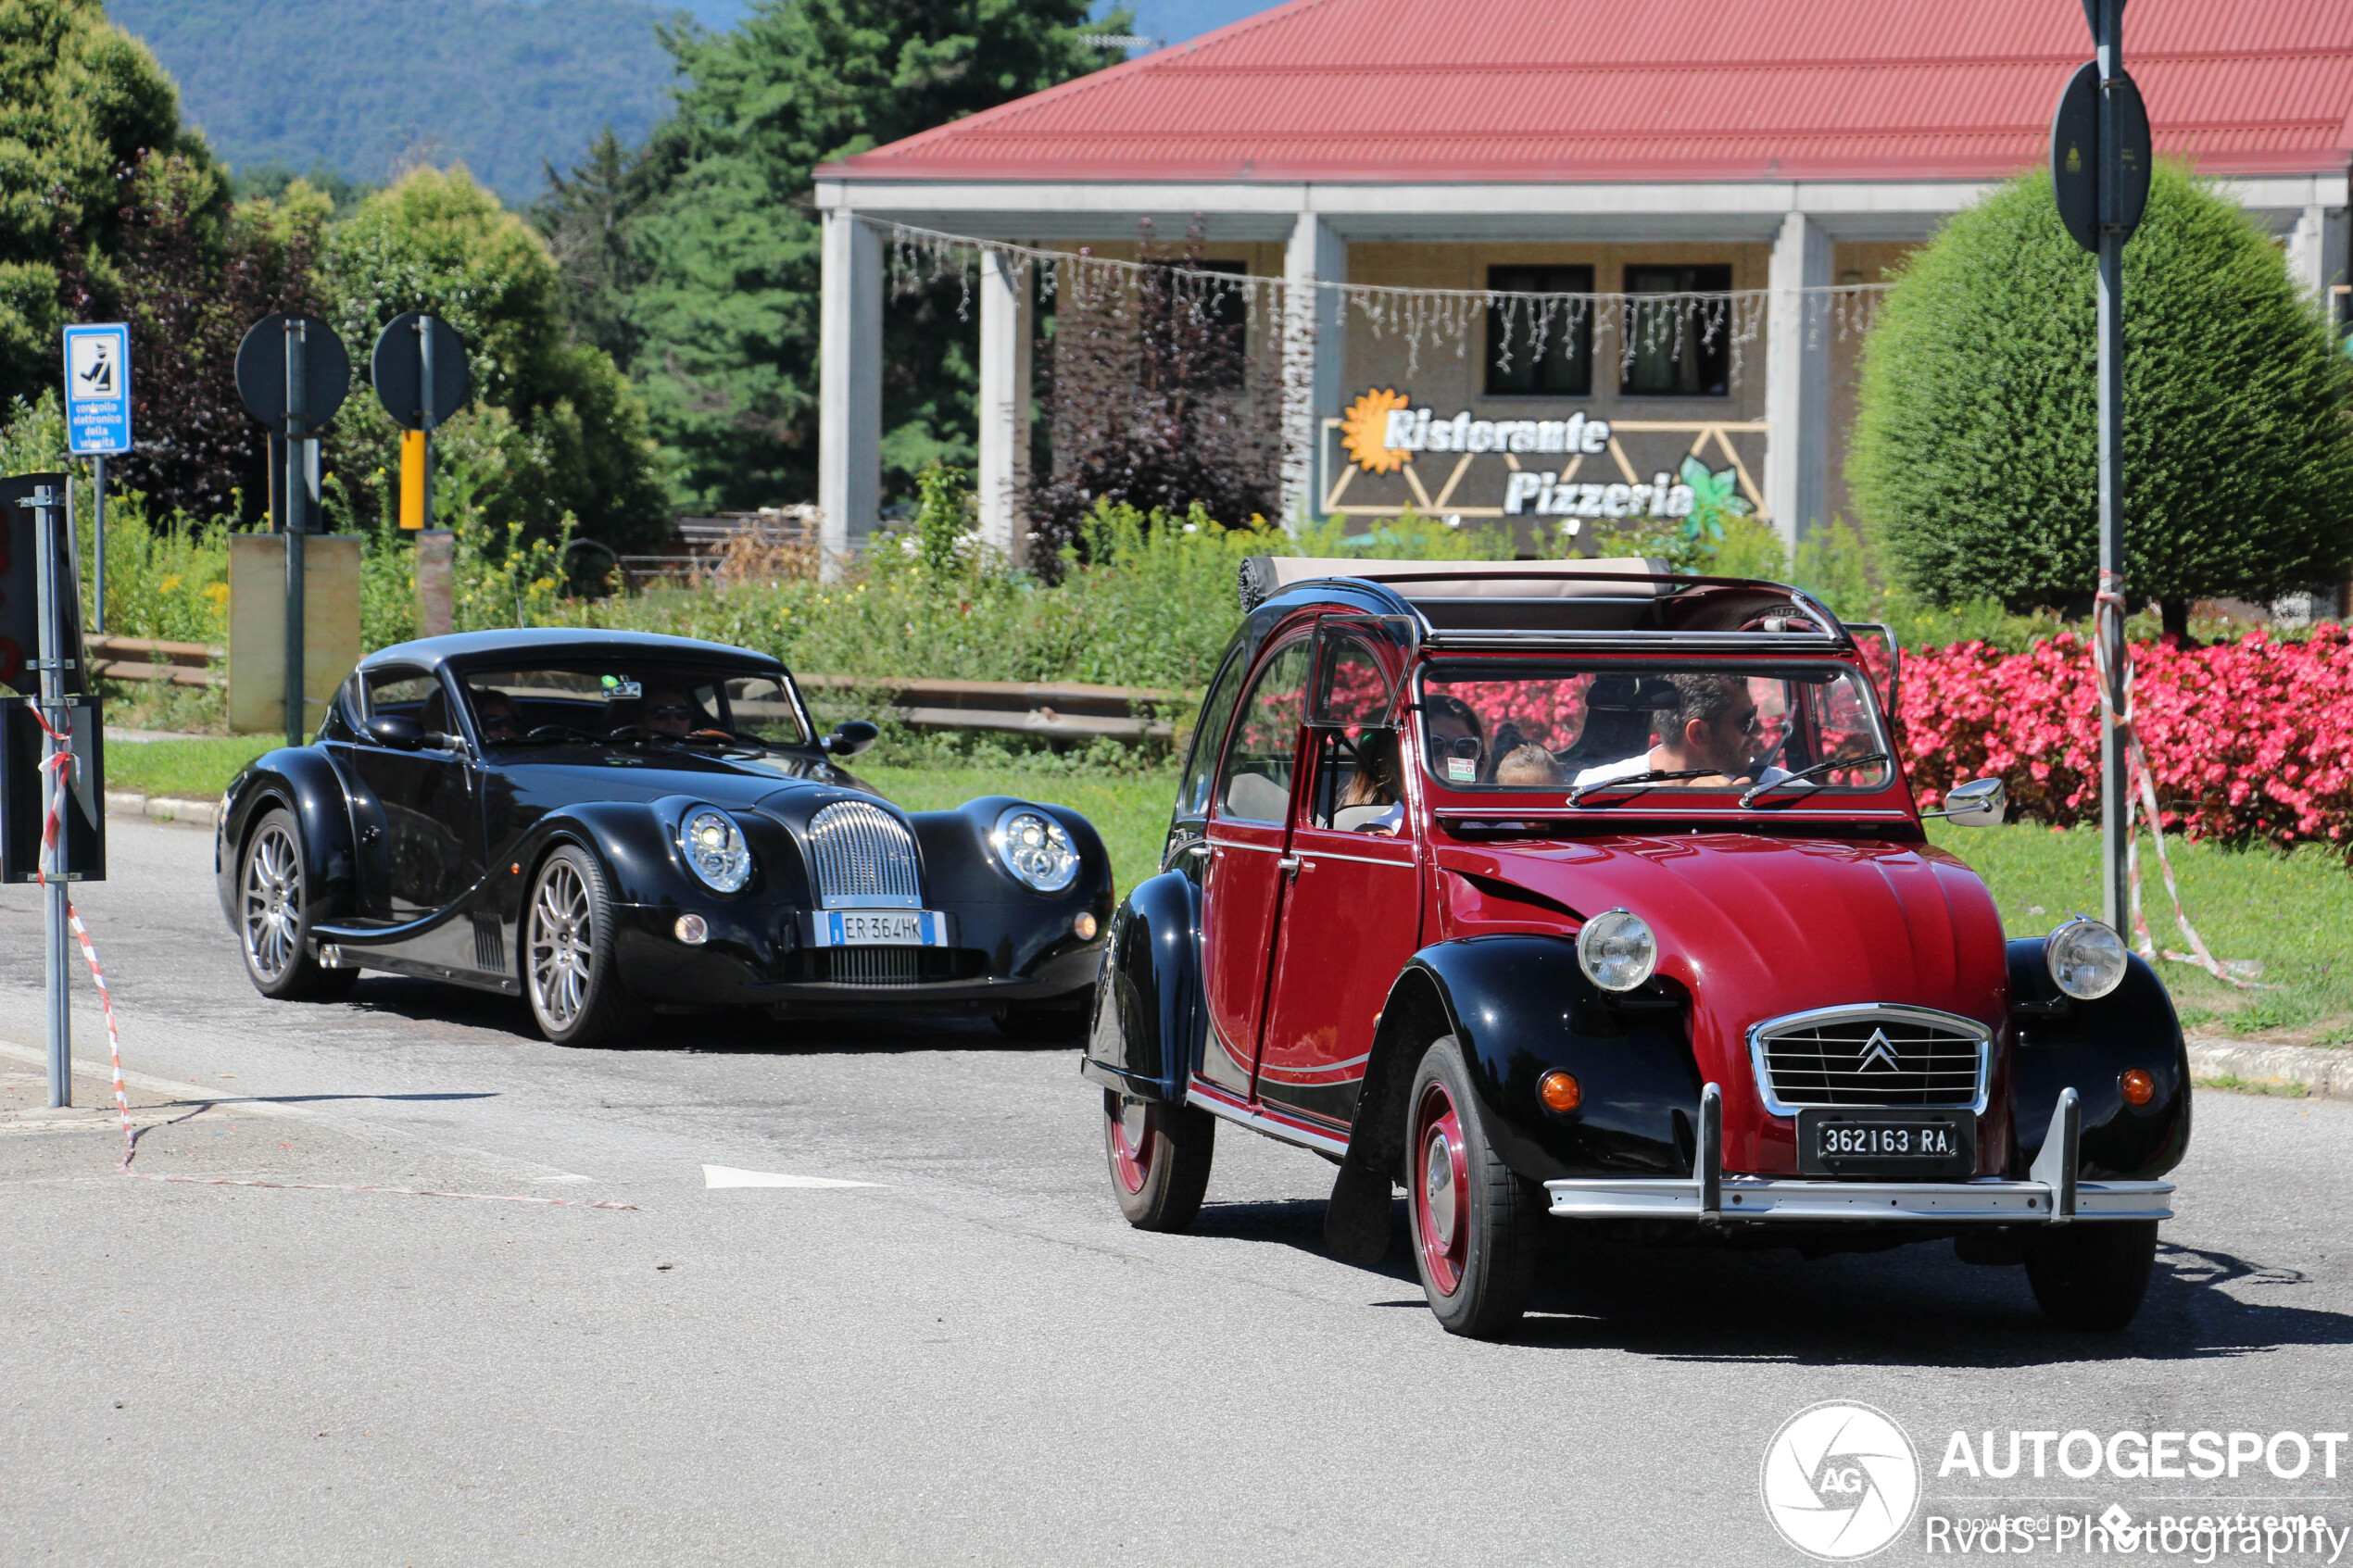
(2317, 1070)
(162, 808)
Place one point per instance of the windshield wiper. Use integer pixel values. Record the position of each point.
(1657, 776)
(1804, 774)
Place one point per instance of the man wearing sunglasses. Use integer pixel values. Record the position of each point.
(1710, 736)
(669, 709)
(497, 717)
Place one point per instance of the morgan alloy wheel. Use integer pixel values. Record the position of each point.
(1160, 1157)
(275, 916)
(1474, 1218)
(577, 998)
(2092, 1274)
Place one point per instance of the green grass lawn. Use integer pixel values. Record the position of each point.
(2291, 913)
(196, 769)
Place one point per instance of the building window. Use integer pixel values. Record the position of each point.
(1682, 348)
(1202, 341)
(1564, 367)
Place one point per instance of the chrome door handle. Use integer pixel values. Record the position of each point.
(1289, 865)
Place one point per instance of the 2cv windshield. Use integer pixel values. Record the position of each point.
(1610, 732)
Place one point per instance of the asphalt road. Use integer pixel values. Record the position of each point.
(972, 1358)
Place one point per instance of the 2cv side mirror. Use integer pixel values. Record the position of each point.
(398, 730)
(850, 737)
(1978, 804)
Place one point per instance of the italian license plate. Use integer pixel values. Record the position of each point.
(1924, 1145)
(879, 928)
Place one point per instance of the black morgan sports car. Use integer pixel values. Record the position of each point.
(609, 821)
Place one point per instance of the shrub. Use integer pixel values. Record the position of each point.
(1973, 454)
(2246, 741)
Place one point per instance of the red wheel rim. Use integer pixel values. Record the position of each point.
(1442, 1190)
(1128, 1131)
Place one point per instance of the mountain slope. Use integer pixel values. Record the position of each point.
(360, 85)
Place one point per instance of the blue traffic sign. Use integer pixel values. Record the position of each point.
(98, 389)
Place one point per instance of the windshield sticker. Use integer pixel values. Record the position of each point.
(1463, 770)
(618, 690)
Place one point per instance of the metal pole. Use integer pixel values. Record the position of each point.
(45, 506)
(2115, 797)
(425, 407)
(98, 536)
(295, 488)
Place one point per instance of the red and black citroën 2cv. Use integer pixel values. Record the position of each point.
(1578, 889)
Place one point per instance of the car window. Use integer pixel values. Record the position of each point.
(1254, 785)
(1209, 731)
(1542, 726)
(1351, 690)
(597, 698)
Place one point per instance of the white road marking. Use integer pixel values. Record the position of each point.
(727, 1177)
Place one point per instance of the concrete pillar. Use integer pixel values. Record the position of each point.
(849, 387)
(1314, 359)
(436, 581)
(1797, 382)
(1003, 404)
(2316, 249)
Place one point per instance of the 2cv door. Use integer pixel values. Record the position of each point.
(1249, 822)
(1351, 915)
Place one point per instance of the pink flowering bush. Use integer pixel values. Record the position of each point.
(2246, 740)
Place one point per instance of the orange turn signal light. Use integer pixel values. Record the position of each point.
(1560, 1091)
(2138, 1086)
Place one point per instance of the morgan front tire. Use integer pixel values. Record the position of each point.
(1474, 1218)
(577, 998)
(2091, 1274)
(1160, 1156)
(275, 914)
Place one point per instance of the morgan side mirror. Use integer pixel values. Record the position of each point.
(850, 737)
(1978, 804)
(397, 730)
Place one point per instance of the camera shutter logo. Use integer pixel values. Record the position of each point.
(1840, 1481)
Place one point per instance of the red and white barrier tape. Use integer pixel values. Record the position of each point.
(2141, 793)
(60, 763)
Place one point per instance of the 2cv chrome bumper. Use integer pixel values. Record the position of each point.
(2050, 1194)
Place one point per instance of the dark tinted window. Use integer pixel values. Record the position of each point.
(1680, 347)
(1518, 363)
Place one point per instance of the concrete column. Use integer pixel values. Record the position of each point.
(1314, 359)
(2316, 249)
(1797, 382)
(849, 387)
(436, 582)
(1003, 404)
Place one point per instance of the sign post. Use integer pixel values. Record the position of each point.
(2100, 150)
(422, 377)
(294, 374)
(98, 426)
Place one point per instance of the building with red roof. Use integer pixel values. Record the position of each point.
(1782, 151)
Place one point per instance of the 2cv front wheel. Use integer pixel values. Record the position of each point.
(1474, 1218)
(2091, 1274)
(1160, 1156)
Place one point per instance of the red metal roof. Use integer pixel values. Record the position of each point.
(1598, 90)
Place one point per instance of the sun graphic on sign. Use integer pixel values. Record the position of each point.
(1365, 431)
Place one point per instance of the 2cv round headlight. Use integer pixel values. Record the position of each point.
(1037, 849)
(1617, 951)
(2085, 958)
(715, 850)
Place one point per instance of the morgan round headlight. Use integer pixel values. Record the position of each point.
(2085, 958)
(1617, 951)
(714, 847)
(1035, 849)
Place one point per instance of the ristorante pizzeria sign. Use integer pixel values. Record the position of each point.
(1573, 468)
